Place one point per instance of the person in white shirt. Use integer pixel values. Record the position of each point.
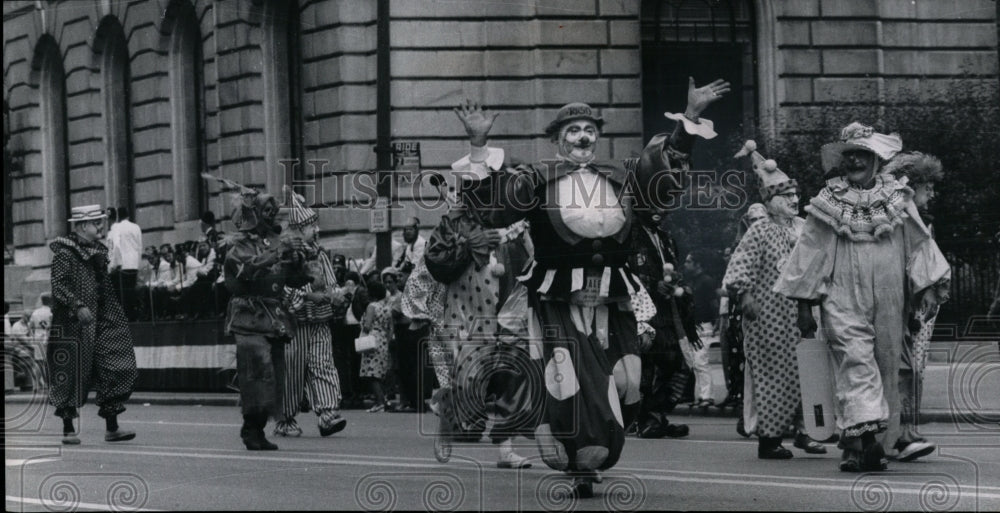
(406, 255)
(126, 255)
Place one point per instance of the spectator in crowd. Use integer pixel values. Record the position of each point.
(166, 289)
(702, 289)
(345, 327)
(126, 254)
(145, 282)
(39, 324)
(391, 279)
(17, 347)
(405, 255)
(109, 242)
(376, 321)
(196, 293)
(208, 230)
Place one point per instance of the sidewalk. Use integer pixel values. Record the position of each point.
(959, 392)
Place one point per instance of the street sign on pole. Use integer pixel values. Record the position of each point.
(406, 157)
(379, 216)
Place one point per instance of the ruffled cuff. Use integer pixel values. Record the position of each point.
(479, 161)
(704, 128)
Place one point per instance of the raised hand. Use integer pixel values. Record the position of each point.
(699, 98)
(477, 123)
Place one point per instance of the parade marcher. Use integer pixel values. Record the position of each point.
(663, 372)
(731, 339)
(863, 253)
(579, 287)
(309, 357)
(475, 264)
(94, 347)
(257, 264)
(770, 332)
(920, 172)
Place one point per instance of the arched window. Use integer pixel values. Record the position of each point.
(187, 111)
(706, 39)
(112, 49)
(55, 164)
(282, 93)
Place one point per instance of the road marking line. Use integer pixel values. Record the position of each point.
(86, 505)
(17, 463)
(747, 479)
(813, 486)
(170, 423)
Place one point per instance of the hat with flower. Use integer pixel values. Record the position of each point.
(860, 137)
(773, 181)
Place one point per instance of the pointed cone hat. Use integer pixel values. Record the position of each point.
(772, 179)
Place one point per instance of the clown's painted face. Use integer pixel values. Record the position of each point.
(859, 166)
(577, 140)
(923, 193)
(784, 205)
(310, 232)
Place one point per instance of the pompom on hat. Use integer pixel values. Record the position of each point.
(772, 180)
(86, 213)
(300, 215)
(860, 137)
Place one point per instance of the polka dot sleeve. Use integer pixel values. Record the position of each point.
(741, 272)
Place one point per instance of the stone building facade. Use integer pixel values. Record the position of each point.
(127, 102)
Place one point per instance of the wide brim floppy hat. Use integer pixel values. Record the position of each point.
(573, 112)
(86, 213)
(859, 137)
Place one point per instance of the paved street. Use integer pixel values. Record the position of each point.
(190, 457)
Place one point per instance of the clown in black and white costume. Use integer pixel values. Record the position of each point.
(580, 211)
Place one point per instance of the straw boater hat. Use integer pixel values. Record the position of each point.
(86, 213)
(300, 216)
(573, 112)
(860, 137)
(772, 180)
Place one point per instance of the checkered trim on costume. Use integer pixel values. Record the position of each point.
(861, 215)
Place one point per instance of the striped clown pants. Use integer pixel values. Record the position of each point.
(309, 366)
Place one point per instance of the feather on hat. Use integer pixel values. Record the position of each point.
(243, 202)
